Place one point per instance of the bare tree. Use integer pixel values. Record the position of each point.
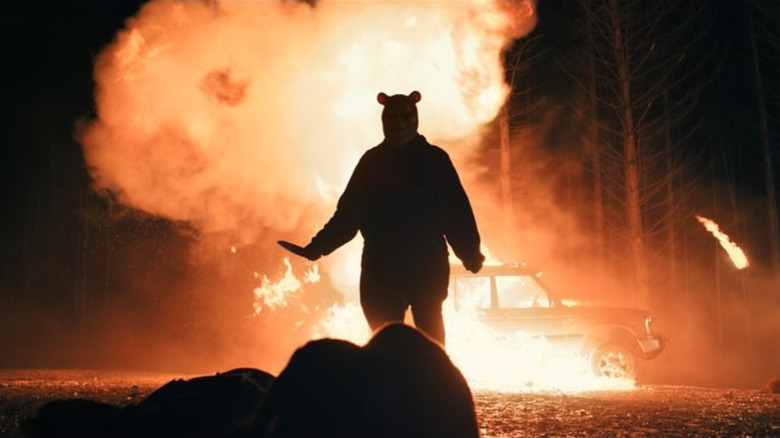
(760, 25)
(637, 101)
(522, 108)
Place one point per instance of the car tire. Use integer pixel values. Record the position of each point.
(613, 361)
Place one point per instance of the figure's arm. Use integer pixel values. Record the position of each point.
(344, 225)
(459, 223)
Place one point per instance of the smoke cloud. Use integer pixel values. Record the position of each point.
(239, 116)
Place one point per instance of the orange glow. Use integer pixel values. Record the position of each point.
(735, 253)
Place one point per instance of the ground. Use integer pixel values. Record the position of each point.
(670, 411)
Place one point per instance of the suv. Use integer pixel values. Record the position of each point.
(511, 298)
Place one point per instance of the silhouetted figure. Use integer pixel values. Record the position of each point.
(400, 385)
(405, 198)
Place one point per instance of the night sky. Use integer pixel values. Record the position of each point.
(67, 249)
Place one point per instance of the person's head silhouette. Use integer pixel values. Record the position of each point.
(399, 117)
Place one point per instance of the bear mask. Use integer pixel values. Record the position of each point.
(399, 117)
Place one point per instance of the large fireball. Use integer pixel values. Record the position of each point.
(237, 116)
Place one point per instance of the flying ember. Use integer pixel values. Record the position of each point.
(735, 253)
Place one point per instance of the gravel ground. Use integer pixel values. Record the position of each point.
(669, 411)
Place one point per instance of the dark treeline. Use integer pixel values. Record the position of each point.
(68, 253)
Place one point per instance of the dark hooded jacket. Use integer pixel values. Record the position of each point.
(405, 200)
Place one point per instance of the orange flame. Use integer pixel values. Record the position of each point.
(735, 253)
(515, 362)
(279, 294)
(489, 359)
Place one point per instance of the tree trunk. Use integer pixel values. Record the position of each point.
(592, 146)
(766, 149)
(671, 229)
(506, 178)
(630, 160)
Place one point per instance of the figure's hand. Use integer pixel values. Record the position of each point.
(475, 264)
(305, 252)
(310, 254)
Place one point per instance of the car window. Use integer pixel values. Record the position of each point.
(520, 292)
(472, 292)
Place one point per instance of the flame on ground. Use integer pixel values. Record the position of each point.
(276, 295)
(735, 253)
(489, 359)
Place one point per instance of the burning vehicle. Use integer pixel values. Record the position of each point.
(511, 298)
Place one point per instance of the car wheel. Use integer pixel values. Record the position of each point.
(614, 361)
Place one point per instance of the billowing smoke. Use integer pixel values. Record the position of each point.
(235, 116)
(244, 119)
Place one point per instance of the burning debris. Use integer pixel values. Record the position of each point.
(735, 253)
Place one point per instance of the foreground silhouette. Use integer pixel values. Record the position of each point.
(400, 385)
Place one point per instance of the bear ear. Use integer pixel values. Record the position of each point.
(382, 98)
(415, 96)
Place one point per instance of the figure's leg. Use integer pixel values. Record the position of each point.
(381, 304)
(428, 318)
(426, 291)
(379, 312)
